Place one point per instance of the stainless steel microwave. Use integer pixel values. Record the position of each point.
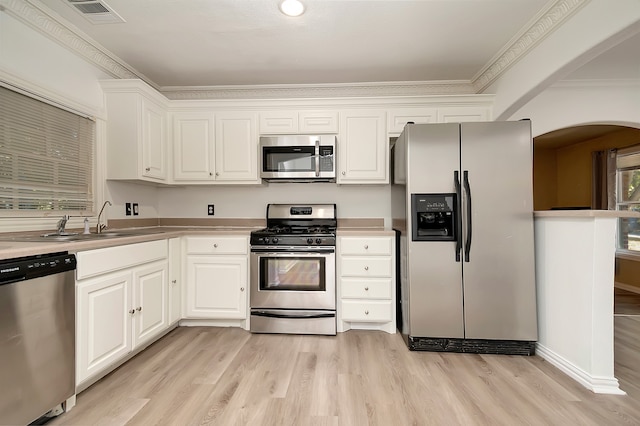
(298, 158)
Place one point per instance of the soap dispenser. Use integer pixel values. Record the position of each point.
(86, 226)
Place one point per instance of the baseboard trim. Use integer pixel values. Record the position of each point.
(604, 385)
(627, 287)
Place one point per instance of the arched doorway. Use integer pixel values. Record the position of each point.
(564, 179)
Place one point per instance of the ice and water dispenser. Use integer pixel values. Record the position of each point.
(434, 217)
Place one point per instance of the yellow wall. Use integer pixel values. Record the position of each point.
(562, 176)
(545, 179)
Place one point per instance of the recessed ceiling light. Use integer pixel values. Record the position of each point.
(292, 7)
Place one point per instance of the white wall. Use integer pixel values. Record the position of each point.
(583, 102)
(45, 64)
(574, 279)
(35, 63)
(596, 27)
(353, 201)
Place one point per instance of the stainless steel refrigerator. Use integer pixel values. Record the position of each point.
(462, 201)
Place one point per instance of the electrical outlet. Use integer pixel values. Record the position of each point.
(210, 209)
(127, 209)
(135, 209)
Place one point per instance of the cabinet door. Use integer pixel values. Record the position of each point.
(462, 114)
(216, 287)
(363, 147)
(175, 280)
(149, 301)
(103, 323)
(236, 147)
(318, 122)
(279, 123)
(193, 146)
(153, 141)
(399, 117)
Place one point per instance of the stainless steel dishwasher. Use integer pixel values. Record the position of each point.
(37, 335)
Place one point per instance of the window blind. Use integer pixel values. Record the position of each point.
(46, 156)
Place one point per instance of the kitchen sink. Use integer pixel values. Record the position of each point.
(75, 237)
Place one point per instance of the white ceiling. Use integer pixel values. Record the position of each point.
(203, 43)
(246, 42)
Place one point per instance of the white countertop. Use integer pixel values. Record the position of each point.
(584, 213)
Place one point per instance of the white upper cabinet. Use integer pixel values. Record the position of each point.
(193, 146)
(363, 147)
(462, 114)
(136, 132)
(399, 117)
(279, 123)
(236, 147)
(215, 148)
(298, 122)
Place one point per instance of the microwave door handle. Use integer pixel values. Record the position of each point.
(317, 158)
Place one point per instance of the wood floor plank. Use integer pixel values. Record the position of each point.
(227, 376)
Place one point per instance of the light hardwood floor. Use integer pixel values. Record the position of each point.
(227, 376)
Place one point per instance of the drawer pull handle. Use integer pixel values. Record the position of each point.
(366, 312)
(241, 288)
(132, 311)
(174, 281)
(139, 308)
(215, 246)
(366, 289)
(366, 268)
(366, 247)
(147, 169)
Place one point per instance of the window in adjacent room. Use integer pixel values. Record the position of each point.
(46, 157)
(628, 196)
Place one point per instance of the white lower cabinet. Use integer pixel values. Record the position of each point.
(175, 280)
(119, 311)
(217, 278)
(366, 283)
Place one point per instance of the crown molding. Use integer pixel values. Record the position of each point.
(40, 18)
(341, 90)
(541, 26)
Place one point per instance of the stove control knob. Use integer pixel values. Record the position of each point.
(309, 240)
(274, 240)
(318, 240)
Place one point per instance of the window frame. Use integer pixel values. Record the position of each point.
(626, 159)
(90, 198)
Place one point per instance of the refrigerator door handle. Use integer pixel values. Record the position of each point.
(467, 190)
(458, 225)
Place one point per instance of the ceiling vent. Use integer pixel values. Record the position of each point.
(96, 12)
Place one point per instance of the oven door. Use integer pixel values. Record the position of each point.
(287, 278)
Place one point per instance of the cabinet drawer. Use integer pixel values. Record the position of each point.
(217, 245)
(101, 261)
(366, 266)
(366, 245)
(365, 288)
(366, 311)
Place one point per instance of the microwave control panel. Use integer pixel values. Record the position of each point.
(326, 158)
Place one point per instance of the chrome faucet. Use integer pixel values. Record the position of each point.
(99, 226)
(62, 223)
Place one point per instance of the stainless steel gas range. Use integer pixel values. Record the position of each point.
(293, 270)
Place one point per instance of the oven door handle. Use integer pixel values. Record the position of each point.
(294, 315)
(290, 251)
